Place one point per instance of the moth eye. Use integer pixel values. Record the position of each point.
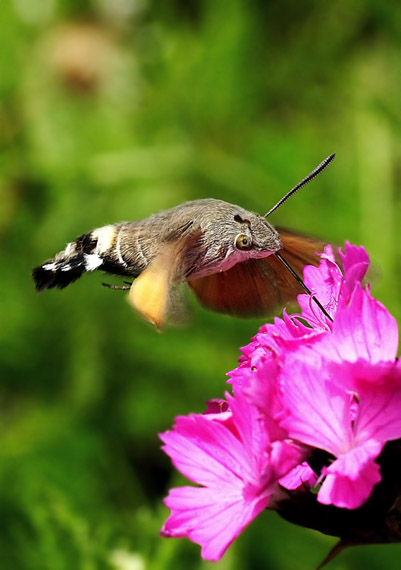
(243, 242)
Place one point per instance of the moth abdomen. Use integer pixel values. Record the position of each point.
(94, 250)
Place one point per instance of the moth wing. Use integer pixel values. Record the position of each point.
(300, 249)
(150, 291)
(257, 286)
(155, 292)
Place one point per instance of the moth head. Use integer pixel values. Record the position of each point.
(229, 235)
(256, 237)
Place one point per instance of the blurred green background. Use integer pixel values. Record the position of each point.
(114, 109)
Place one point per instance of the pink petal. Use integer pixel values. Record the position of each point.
(301, 476)
(319, 410)
(264, 392)
(271, 339)
(205, 451)
(285, 456)
(350, 479)
(355, 262)
(379, 408)
(238, 466)
(329, 285)
(324, 282)
(212, 517)
(363, 330)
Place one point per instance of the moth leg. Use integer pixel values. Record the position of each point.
(126, 287)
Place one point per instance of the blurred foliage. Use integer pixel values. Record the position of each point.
(111, 110)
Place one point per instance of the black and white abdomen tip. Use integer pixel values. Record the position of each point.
(53, 274)
(84, 254)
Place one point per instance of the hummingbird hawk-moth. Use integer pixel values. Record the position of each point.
(224, 253)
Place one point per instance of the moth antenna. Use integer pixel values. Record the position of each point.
(303, 182)
(305, 288)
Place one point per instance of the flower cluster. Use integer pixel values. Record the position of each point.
(305, 384)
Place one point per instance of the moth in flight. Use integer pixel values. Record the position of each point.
(234, 260)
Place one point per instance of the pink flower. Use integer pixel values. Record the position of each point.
(237, 466)
(306, 384)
